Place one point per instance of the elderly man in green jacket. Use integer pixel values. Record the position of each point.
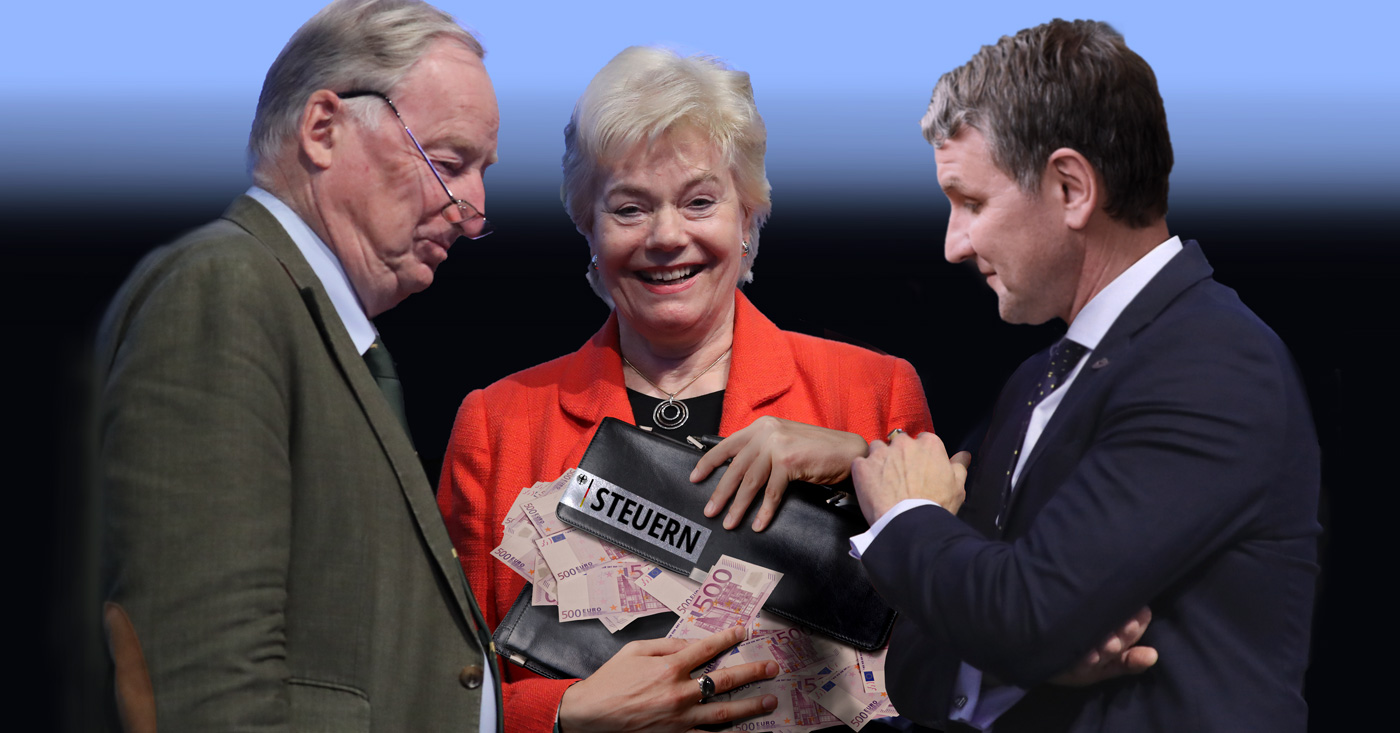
(272, 554)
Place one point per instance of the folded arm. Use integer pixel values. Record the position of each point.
(1181, 452)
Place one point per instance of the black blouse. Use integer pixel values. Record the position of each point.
(703, 420)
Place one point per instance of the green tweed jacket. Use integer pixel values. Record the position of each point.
(273, 557)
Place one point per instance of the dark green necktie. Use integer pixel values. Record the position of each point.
(381, 366)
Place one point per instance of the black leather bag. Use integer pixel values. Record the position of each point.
(636, 494)
(532, 637)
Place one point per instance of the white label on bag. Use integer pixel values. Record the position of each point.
(617, 507)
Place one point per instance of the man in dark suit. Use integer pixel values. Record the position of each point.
(1162, 455)
(273, 557)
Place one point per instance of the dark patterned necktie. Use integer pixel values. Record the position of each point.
(381, 367)
(1064, 355)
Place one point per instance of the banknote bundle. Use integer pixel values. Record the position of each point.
(583, 576)
(821, 682)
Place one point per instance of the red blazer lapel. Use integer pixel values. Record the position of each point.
(592, 388)
(761, 369)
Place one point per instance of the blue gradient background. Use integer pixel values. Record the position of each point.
(149, 102)
(123, 124)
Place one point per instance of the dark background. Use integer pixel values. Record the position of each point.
(1324, 280)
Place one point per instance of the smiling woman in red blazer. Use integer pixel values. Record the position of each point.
(664, 176)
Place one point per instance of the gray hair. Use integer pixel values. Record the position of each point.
(1070, 85)
(349, 45)
(641, 94)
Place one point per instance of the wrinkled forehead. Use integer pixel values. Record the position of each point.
(447, 98)
(967, 148)
(451, 76)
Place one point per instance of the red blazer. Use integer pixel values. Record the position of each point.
(536, 424)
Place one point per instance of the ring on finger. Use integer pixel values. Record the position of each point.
(893, 433)
(707, 687)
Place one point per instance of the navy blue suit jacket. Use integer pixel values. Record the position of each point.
(1180, 472)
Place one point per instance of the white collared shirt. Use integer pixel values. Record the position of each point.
(327, 268)
(362, 333)
(1088, 329)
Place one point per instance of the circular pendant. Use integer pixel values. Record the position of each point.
(670, 414)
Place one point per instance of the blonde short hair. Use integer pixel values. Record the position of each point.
(641, 94)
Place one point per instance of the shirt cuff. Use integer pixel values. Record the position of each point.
(976, 706)
(488, 697)
(861, 542)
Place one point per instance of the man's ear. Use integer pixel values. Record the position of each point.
(322, 127)
(1075, 184)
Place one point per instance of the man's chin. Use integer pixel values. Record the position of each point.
(430, 254)
(1007, 309)
(1016, 313)
(415, 282)
(1020, 316)
(421, 283)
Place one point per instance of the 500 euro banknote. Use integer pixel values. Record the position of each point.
(571, 553)
(517, 549)
(796, 711)
(795, 649)
(731, 595)
(607, 590)
(843, 694)
(674, 591)
(872, 670)
(518, 536)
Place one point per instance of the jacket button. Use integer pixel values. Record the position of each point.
(470, 677)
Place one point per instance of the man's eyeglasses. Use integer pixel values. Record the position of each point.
(471, 222)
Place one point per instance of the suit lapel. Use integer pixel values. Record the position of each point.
(1187, 268)
(247, 213)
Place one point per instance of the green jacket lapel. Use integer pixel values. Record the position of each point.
(417, 490)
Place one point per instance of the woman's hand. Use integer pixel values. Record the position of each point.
(773, 451)
(647, 687)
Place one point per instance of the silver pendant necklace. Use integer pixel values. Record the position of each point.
(672, 413)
